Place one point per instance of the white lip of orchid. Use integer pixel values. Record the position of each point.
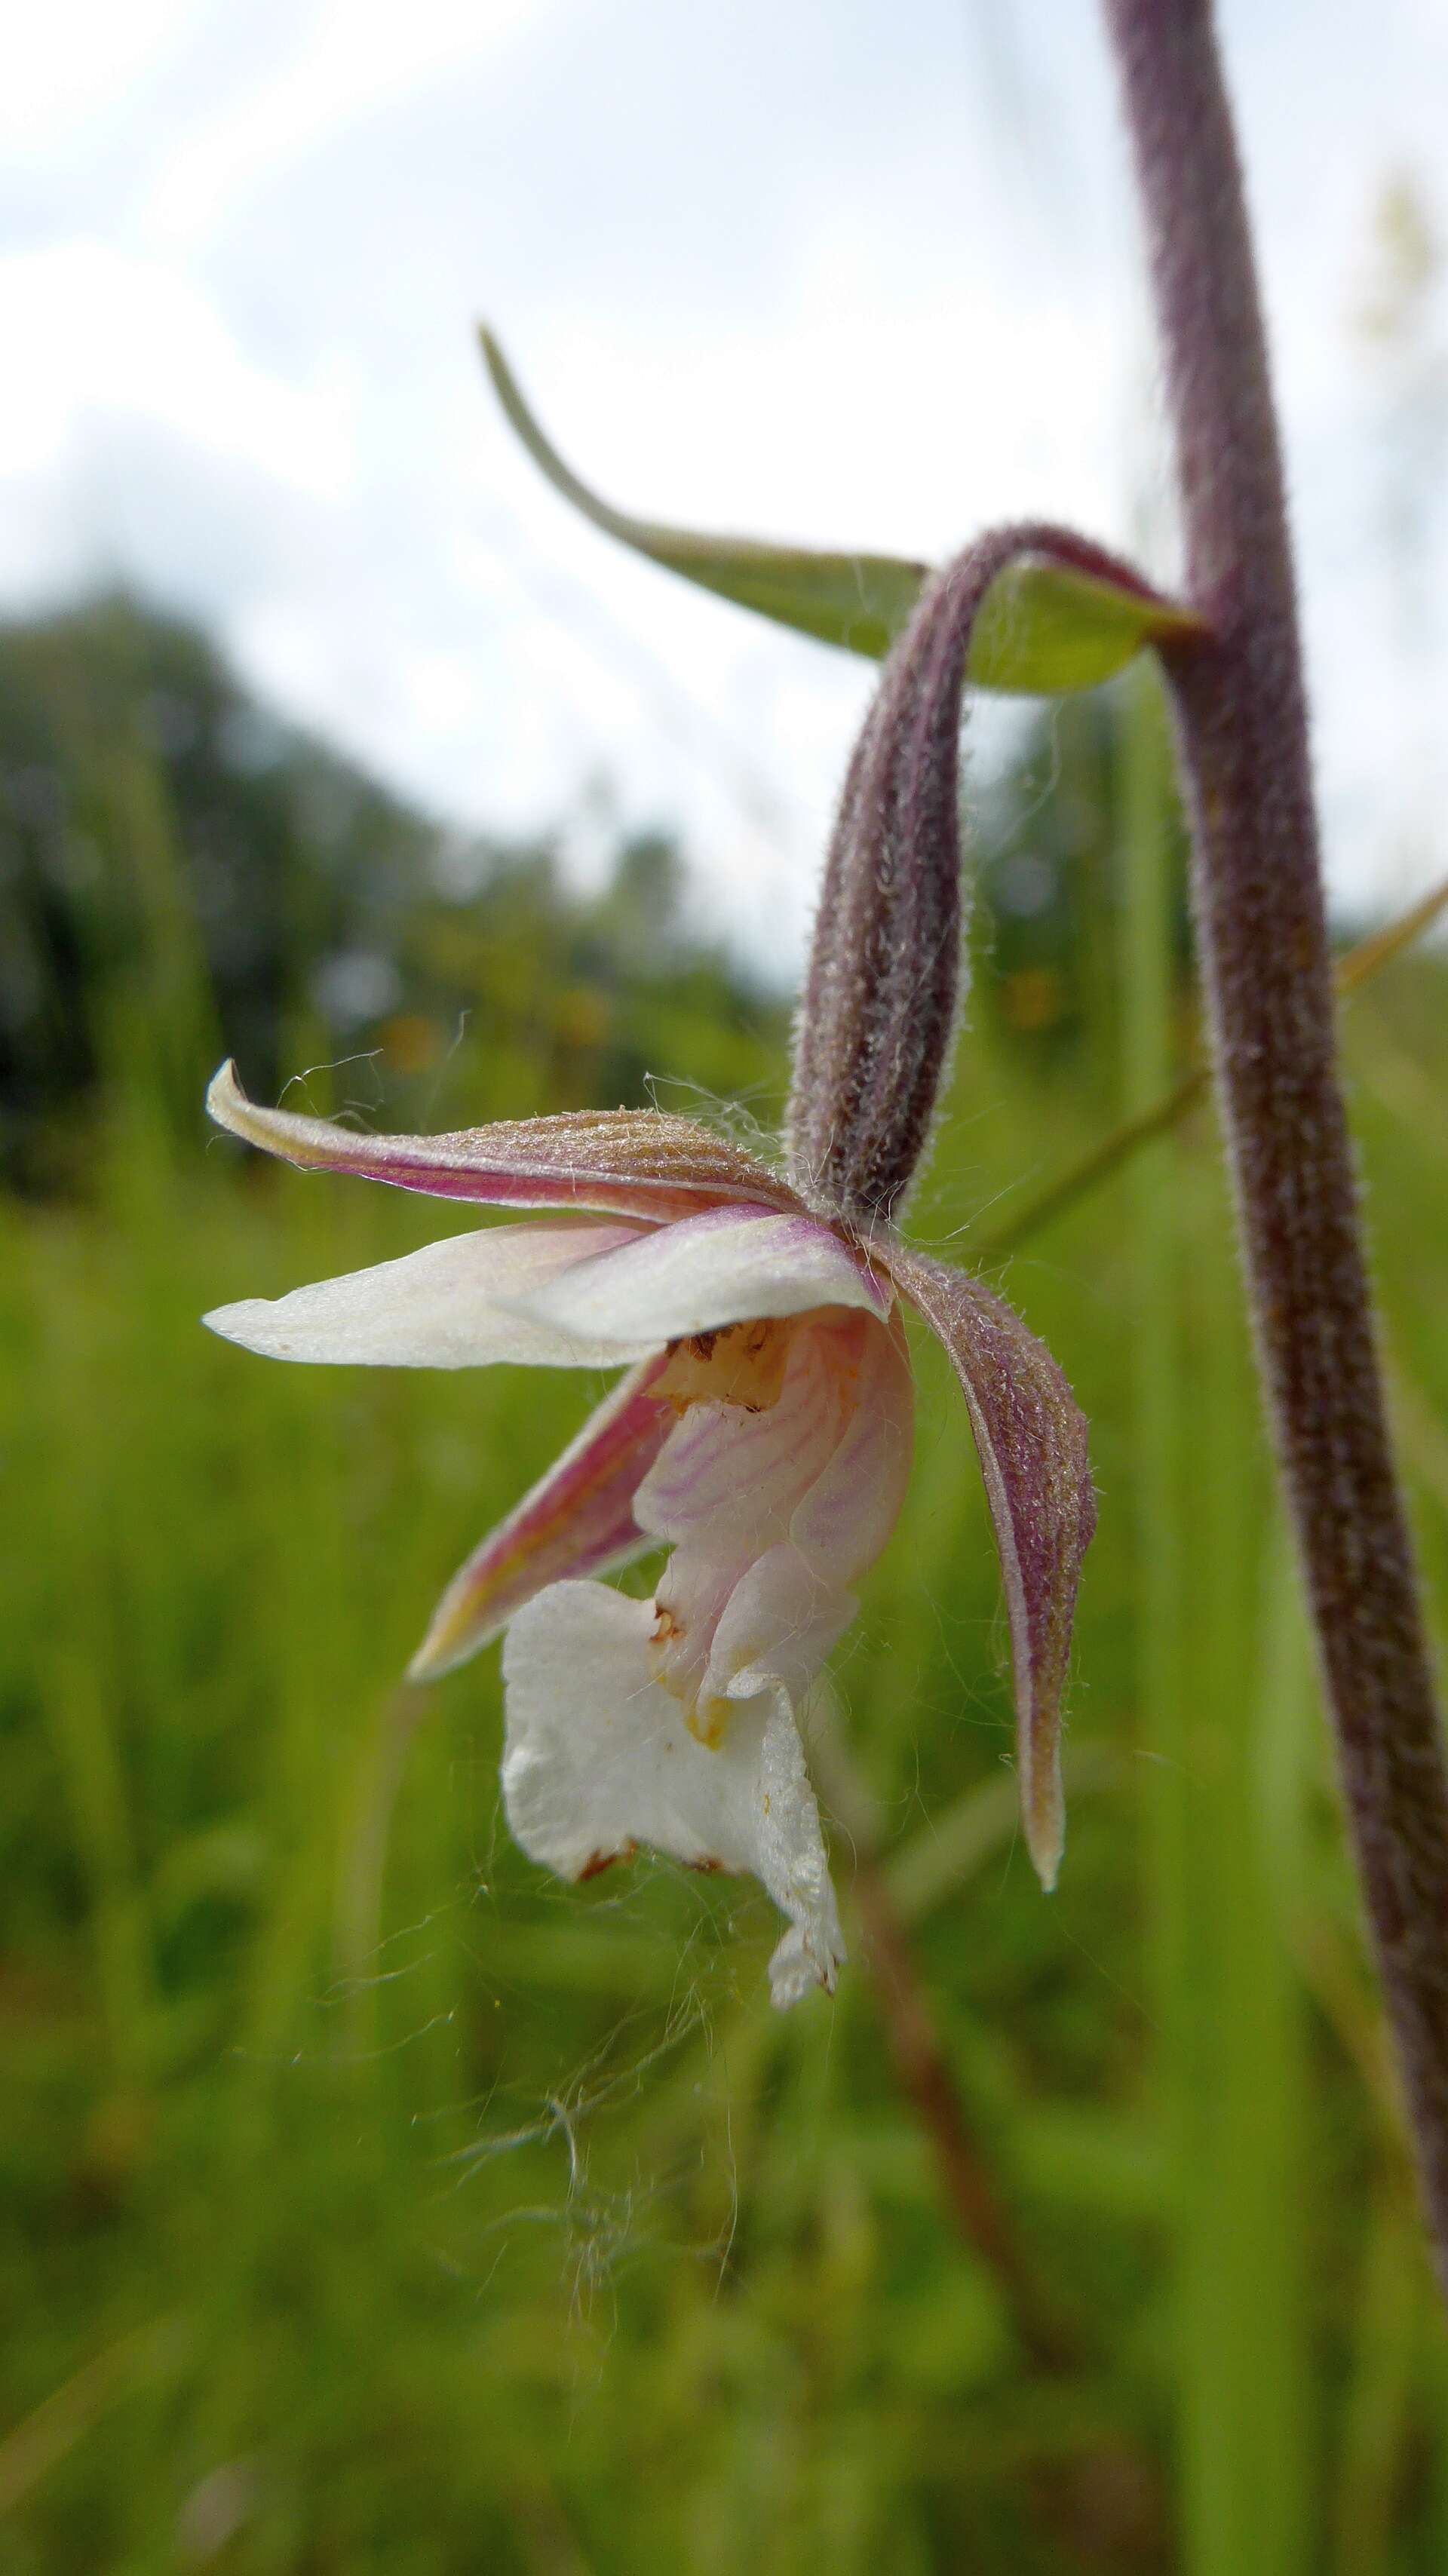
(597, 1762)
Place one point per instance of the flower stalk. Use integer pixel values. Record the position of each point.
(877, 1016)
(1241, 716)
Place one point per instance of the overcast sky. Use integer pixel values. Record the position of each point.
(856, 271)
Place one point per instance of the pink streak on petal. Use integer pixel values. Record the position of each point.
(629, 1162)
(1031, 1438)
(726, 1469)
(578, 1520)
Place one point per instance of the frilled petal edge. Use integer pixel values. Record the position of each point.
(598, 1760)
(630, 1162)
(1031, 1437)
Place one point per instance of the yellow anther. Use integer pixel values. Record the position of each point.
(744, 1365)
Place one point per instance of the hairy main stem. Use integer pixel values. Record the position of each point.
(1242, 720)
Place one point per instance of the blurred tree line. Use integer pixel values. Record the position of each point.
(183, 874)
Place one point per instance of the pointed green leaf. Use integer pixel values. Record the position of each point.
(1043, 629)
(860, 601)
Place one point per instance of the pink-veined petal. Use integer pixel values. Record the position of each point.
(630, 1162)
(773, 1514)
(598, 1759)
(1030, 1434)
(578, 1519)
(731, 1468)
(723, 1491)
(708, 1272)
(437, 1308)
(794, 1602)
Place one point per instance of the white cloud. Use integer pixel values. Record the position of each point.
(67, 63)
(89, 332)
(811, 270)
(345, 58)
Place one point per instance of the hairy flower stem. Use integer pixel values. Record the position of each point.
(1242, 722)
(877, 1016)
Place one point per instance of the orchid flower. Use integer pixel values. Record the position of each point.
(760, 1431)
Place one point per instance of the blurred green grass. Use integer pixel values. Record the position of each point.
(372, 2203)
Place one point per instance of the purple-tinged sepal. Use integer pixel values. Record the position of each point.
(1030, 1436)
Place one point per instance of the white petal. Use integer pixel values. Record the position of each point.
(708, 1271)
(598, 1759)
(442, 1307)
(725, 1467)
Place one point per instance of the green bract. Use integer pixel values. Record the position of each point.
(1043, 629)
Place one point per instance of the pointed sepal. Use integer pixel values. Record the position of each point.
(629, 1162)
(1030, 1435)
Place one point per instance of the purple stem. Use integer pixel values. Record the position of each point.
(1241, 714)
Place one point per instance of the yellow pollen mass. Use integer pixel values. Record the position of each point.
(743, 1364)
(705, 1719)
